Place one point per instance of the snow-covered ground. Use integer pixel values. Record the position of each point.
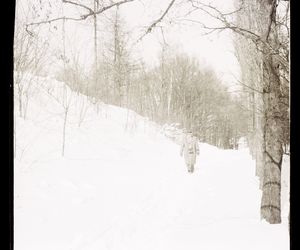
(123, 186)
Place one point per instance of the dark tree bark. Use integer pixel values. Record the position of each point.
(273, 148)
(273, 117)
(259, 22)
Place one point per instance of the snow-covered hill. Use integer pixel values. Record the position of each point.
(122, 185)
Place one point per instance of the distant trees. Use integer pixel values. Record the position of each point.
(117, 64)
(180, 90)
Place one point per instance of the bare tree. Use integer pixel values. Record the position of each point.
(262, 19)
(30, 56)
(262, 31)
(64, 98)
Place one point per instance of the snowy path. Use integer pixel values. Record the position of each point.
(116, 190)
(146, 202)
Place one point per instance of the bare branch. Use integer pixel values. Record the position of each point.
(272, 19)
(163, 36)
(249, 87)
(80, 5)
(154, 24)
(218, 15)
(255, 38)
(233, 12)
(82, 17)
(53, 20)
(161, 18)
(111, 6)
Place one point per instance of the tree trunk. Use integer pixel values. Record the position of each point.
(273, 150)
(95, 50)
(64, 132)
(260, 158)
(273, 125)
(20, 105)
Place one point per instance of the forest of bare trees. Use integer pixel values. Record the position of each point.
(179, 89)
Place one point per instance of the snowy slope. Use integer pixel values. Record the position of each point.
(123, 186)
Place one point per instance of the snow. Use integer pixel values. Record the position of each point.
(123, 186)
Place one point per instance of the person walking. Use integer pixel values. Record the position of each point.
(189, 149)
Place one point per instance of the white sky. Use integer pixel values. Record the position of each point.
(215, 50)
